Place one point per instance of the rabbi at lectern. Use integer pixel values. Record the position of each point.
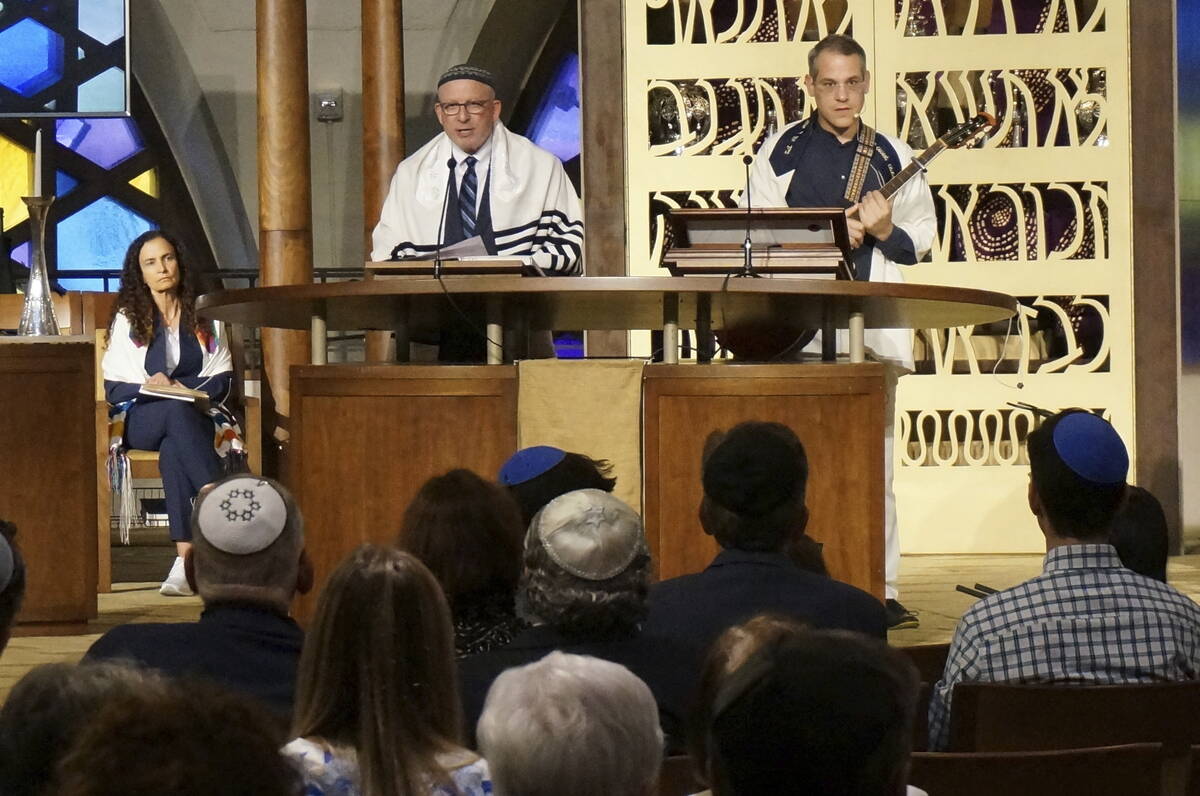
(479, 179)
(833, 159)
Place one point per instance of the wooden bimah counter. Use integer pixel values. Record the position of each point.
(48, 476)
(365, 437)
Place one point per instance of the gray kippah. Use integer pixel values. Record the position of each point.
(242, 515)
(6, 563)
(468, 72)
(589, 533)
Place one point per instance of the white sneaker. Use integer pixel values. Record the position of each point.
(176, 584)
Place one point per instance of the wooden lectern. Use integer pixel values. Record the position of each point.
(809, 241)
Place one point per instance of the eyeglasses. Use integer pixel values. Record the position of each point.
(473, 107)
(853, 86)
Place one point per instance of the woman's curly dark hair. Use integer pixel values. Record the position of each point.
(134, 298)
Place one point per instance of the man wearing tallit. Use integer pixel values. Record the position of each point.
(491, 182)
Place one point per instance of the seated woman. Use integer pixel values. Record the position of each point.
(469, 533)
(377, 707)
(155, 339)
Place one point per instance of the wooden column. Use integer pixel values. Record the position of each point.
(1156, 257)
(284, 191)
(602, 101)
(383, 121)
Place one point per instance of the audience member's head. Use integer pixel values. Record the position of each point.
(12, 580)
(377, 671)
(571, 724)
(248, 543)
(755, 476)
(468, 532)
(587, 567)
(825, 711)
(727, 653)
(1077, 466)
(1139, 532)
(537, 475)
(187, 739)
(48, 708)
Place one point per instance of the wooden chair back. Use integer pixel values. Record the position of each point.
(1007, 717)
(677, 778)
(68, 311)
(930, 659)
(1128, 770)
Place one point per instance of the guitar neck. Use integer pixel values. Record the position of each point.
(918, 164)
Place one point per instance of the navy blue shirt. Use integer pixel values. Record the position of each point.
(822, 166)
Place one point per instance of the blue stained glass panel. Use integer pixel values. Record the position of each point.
(104, 93)
(103, 20)
(21, 254)
(64, 183)
(33, 57)
(97, 236)
(105, 142)
(556, 123)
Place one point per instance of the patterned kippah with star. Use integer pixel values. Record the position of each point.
(589, 533)
(6, 563)
(468, 72)
(242, 516)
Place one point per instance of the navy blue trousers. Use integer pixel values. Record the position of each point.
(187, 461)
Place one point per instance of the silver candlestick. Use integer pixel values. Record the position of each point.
(37, 314)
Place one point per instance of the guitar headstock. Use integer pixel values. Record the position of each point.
(969, 130)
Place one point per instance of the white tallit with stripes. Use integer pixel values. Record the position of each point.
(534, 208)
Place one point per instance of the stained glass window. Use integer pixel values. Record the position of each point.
(556, 123)
(106, 183)
(63, 57)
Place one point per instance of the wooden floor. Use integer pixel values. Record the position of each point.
(927, 586)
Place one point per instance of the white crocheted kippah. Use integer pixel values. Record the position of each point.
(242, 516)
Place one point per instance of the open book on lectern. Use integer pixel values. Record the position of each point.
(808, 241)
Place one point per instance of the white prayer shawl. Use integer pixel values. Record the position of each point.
(125, 361)
(912, 211)
(534, 208)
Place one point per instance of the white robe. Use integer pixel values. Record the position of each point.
(912, 211)
(534, 208)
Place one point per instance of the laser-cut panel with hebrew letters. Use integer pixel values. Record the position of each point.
(1039, 208)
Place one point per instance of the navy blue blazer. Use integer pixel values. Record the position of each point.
(248, 648)
(737, 585)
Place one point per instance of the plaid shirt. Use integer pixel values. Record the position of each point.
(1086, 619)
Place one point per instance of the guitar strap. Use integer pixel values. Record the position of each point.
(862, 161)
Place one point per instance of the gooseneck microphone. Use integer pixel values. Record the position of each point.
(437, 250)
(747, 246)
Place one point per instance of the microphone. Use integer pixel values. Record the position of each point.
(747, 246)
(437, 250)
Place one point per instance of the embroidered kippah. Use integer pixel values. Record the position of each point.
(1091, 448)
(242, 516)
(468, 72)
(7, 564)
(528, 463)
(589, 533)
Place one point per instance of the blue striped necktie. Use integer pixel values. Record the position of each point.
(466, 199)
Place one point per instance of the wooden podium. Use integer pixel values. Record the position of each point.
(365, 437)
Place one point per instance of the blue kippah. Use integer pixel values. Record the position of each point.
(529, 463)
(1091, 448)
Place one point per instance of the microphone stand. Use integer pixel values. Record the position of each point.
(747, 246)
(437, 251)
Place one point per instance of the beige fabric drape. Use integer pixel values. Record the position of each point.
(593, 407)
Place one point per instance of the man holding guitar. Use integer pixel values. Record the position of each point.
(833, 159)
